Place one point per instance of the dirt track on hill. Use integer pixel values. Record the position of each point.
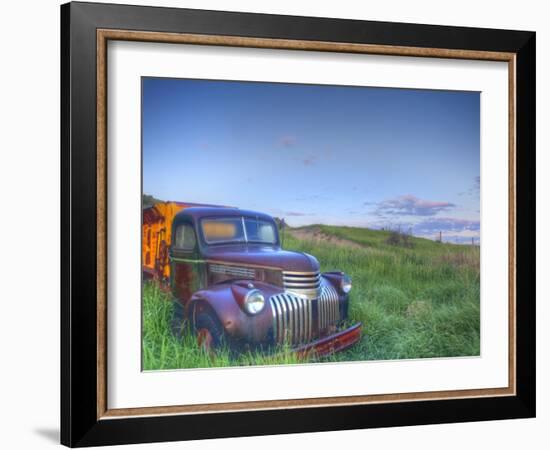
(315, 234)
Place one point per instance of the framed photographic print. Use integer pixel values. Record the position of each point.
(276, 224)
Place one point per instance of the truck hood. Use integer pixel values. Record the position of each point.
(262, 256)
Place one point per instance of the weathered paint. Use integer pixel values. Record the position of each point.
(156, 235)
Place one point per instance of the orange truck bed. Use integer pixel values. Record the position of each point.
(155, 240)
(156, 235)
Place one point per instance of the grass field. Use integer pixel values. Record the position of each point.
(415, 301)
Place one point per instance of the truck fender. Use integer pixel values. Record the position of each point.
(220, 301)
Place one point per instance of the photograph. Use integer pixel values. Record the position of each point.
(287, 223)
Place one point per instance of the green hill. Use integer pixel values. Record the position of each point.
(415, 301)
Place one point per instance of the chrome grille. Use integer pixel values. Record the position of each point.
(292, 313)
(303, 283)
(234, 271)
(291, 318)
(328, 305)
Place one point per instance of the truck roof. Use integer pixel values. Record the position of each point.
(198, 212)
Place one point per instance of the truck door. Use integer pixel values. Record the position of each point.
(185, 270)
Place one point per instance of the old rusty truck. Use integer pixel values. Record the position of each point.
(234, 285)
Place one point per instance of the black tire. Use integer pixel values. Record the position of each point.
(206, 321)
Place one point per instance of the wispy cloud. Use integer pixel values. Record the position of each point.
(474, 189)
(409, 205)
(309, 160)
(321, 155)
(287, 141)
(289, 213)
(446, 224)
(451, 229)
(296, 214)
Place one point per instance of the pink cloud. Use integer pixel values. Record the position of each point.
(287, 141)
(309, 160)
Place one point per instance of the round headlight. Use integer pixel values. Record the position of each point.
(345, 284)
(254, 301)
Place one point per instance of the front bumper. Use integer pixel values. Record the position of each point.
(331, 344)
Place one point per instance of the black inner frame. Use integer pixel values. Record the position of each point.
(79, 424)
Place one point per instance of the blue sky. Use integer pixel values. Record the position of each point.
(358, 156)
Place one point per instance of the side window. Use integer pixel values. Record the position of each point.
(185, 237)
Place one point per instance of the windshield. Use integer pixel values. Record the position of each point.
(238, 229)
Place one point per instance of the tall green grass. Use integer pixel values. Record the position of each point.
(414, 302)
(164, 349)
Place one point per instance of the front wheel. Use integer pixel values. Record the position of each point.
(209, 332)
